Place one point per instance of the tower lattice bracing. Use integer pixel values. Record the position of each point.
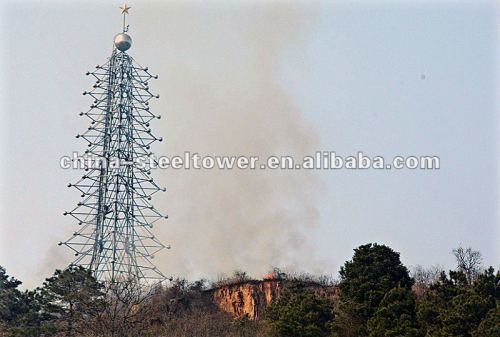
(115, 216)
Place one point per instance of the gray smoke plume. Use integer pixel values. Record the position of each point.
(222, 95)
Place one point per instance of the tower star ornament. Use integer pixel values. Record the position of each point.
(125, 8)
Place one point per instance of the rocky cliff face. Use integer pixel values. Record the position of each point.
(250, 298)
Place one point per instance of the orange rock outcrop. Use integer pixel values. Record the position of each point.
(250, 298)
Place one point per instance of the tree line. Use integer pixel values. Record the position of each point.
(378, 296)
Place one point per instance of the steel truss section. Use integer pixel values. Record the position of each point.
(115, 216)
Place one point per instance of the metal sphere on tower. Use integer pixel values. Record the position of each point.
(123, 42)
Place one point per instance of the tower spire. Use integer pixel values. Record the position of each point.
(124, 9)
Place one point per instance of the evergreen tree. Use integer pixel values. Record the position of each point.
(300, 313)
(395, 316)
(454, 308)
(71, 297)
(490, 325)
(10, 297)
(464, 314)
(373, 271)
(488, 284)
(437, 299)
(19, 311)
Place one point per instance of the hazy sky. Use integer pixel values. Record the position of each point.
(268, 78)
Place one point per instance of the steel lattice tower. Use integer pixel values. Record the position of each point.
(115, 216)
